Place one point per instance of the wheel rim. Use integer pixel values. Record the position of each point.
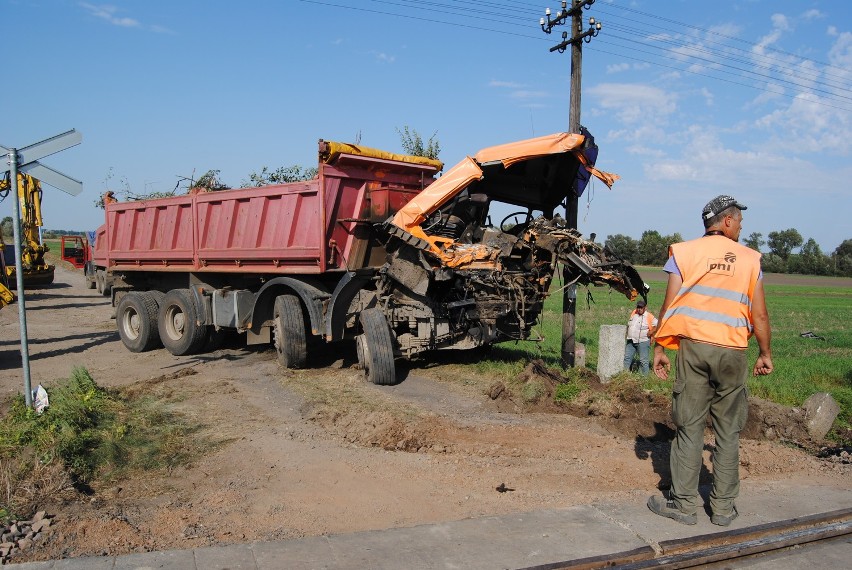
(175, 323)
(276, 335)
(130, 323)
(363, 350)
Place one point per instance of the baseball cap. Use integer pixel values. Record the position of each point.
(720, 204)
(640, 303)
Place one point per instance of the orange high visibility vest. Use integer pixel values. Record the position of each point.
(714, 302)
(649, 318)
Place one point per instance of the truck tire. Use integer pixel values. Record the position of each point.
(101, 283)
(289, 332)
(375, 348)
(178, 323)
(136, 319)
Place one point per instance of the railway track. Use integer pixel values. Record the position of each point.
(728, 546)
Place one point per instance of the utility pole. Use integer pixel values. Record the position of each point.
(578, 37)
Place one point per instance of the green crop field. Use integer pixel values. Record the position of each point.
(803, 366)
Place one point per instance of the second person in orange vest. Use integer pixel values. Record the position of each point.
(640, 329)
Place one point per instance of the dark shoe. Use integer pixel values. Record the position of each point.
(664, 508)
(724, 520)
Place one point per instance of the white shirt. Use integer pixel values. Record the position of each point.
(637, 327)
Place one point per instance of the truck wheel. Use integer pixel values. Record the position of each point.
(375, 348)
(289, 331)
(105, 288)
(136, 318)
(177, 322)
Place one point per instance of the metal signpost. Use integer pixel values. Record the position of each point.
(25, 160)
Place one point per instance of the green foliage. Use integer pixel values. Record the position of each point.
(90, 433)
(653, 248)
(67, 431)
(412, 143)
(6, 230)
(281, 175)
(755, 241)
(623, 246)
(782, 243)
(568, 391)
(210, 182)
(532, 391)
(842, 258)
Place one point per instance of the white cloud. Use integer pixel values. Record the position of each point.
(840, 54)
(527, 94)
(634, 102)
(808, 125)
(507, 84)
(109, 13)
(383, 57)
(780, 24)
(812, 14)
(617, 68)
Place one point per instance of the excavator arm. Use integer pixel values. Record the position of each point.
(37, 271)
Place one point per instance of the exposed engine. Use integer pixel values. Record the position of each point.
(492, 290)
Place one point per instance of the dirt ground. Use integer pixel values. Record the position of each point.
(321, 451)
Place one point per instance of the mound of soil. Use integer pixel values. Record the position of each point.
(628, 409)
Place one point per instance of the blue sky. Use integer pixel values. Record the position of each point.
(686, 99)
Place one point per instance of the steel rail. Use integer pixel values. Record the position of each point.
(715, 547)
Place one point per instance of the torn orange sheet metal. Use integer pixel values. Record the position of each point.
(459, 177)
(511, 153)
(470, 170)
(470, 256)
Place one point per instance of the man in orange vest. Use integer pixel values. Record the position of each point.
(714, 303)
(640, 328)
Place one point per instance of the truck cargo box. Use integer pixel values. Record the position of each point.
(315, 226)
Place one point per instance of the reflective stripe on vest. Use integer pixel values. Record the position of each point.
(714, 302)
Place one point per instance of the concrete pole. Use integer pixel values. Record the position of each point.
(569, 294)
(19, 276)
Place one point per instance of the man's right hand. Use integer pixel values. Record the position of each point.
(763, 366)
(661, 363)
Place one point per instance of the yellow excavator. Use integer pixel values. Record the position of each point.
(37, 272)
(6, 296)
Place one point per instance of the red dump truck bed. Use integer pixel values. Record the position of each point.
(313, 226)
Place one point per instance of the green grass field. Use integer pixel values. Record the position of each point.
(802, 366)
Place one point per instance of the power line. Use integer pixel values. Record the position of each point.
(503, 16)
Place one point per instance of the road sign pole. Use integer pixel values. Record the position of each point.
(19, 276)
(26, 161)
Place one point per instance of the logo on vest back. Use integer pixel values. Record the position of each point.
(722, 266)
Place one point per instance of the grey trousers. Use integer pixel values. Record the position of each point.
(710, 379)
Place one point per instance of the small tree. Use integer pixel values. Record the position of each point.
(653, 248)
(623, 246)
(755, 241)
(812, 261)
(210, 182)
(7, 230)
(412, 143)
(782, 243)
(281, 175)
(843, 258)
(772, 263)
